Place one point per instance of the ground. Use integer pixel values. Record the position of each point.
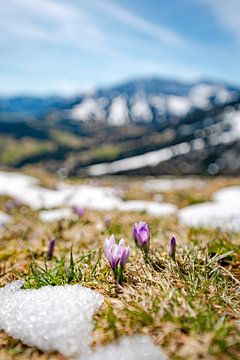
(190, 306)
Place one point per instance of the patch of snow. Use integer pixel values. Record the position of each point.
(152, 208)
(88, 109)
(159, 102)
(52, 318)
(129, 348)
(118, 114)
(93, 197)
(9, 181)
(230, 195)
(141, 111)
(178, 105)
(4, 218)
(223, 96)
(151, 158)
(232, 119)
(172, 184)
(67, 196)
(223, 212)
(55, 215)
(201, 93)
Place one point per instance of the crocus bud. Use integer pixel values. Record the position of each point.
(141, 234)
(172, 247)
(79, 211)
(51, 249)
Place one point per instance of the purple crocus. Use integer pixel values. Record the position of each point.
(117, 255)
(79, 211)
(51, 249)
(172, 247)
(141, 234)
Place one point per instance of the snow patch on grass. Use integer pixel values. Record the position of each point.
(51, 318)
(4, 218)
(25, 190)
(172, 184)
(223, 212)
(130, 348)
(55, 215)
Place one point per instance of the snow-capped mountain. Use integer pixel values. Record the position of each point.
(151, 100)
(142, 127)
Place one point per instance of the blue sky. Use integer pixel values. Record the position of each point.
(69, 46)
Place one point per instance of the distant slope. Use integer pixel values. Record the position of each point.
(146, 126)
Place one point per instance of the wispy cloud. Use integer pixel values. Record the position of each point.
(79, 26)
(227, 13)
(76, 25)
(70, 44)
(137, 22)
(49, 21)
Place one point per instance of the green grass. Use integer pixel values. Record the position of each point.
(190, 307)
(193, 293)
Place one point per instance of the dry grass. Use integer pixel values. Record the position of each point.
(190, 307)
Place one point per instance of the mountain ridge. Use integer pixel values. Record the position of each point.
(126, 121)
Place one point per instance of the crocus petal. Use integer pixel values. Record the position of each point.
(141, 233)
(124, 256)
(108, 243)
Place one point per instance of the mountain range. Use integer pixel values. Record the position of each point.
(107, 130)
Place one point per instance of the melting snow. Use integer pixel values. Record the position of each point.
(152, 158)
(232, 119)
(129, 348)
(118, 113)
(89, 109)
(141, 110)
(25, 190)
(172, 184)
(178, 105)
(55, 215)
(51, 318)
(59, 318)
(223, 212)
(4, 218)
(152, 208)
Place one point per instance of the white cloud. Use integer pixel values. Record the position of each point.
(67, 45)
(227, 13)
(157, 32)
(49, 21)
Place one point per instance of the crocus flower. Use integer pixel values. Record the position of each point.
(51, 249)
(172, 247)
(117, 255)
(79, 211)
(141, 234)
